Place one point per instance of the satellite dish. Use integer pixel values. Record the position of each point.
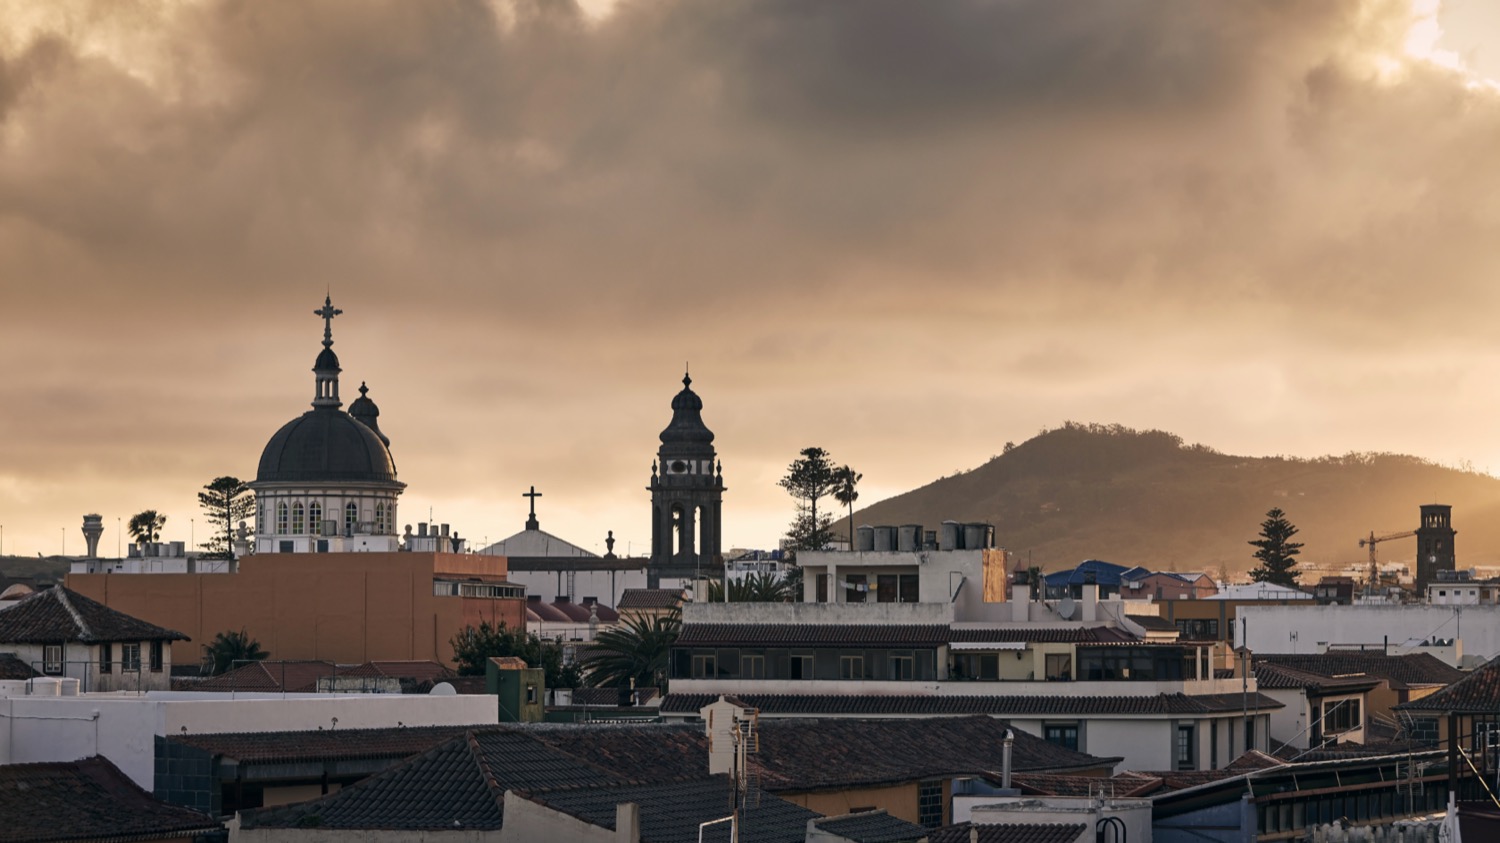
(1066, 608)
(443, 689)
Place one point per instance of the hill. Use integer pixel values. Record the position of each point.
(48, 570)
(1144, 497)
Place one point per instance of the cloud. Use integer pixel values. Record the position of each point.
(533, 216)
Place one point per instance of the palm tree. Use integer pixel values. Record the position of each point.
(633, 654)
(844, 481)
(231, 647)
(145, 527)
(752, 588)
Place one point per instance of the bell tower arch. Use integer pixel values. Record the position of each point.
(687, 488)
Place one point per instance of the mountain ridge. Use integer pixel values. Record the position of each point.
(1094, 491)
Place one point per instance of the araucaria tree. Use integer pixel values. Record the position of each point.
(145, 527)
(1276, 551)
(226, 501)
(808, 480)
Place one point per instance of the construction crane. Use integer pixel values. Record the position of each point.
(1370, 542)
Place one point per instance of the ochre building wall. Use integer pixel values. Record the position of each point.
(343, 607)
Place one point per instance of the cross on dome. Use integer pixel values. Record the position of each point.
(327, 311)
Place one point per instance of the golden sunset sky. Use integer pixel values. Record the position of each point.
(905, 232)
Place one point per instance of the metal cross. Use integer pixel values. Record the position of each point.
(327, 311)
(533, 494)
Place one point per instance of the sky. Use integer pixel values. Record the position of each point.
(904, 232)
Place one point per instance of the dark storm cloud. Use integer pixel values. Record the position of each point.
(533, 217)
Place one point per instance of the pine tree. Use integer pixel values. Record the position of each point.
(1276, 551)
(808, 480)
(226, 501)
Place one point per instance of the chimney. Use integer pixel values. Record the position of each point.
(1090, 601)
(627, 823)
(1010, 739)
(422, 528)
(93, 528)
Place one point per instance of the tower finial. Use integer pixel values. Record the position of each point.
(327, 311)
(687, 377)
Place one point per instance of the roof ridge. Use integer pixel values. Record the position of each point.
(84, 632)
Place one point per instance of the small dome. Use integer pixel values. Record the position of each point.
(327, 361)
(325, 444)
(365, 412)
(687, 425)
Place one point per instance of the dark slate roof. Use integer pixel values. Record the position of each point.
(11, 667)
(611, 696)
(1402, 672)
(87, 800)
(1009, 833)
(326, 443)
(649, 598)
(317, 745)
(61, 614)
(672, 812)
(872, 827)
(1044, 635)
(1154, 623)
(801, 755)
(1273, 675)
(812, 635)
(1477, 693)
(914, 705)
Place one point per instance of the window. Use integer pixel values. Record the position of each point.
(1062, 734)
(801, 666)
(822, 592)
(299, 524)
(1059, 667)
(976, 666)
(282, 522)
(908, 588)
(106, 657)
(704, 666)
(315, 518)
(531, 693)
(380, 519)
(52, 658)
(130, 657)
(752, 667)
(156, 657)
(851, 667)
(930, 803)
(351, 517)
(287, 547)
(903, 666)
(1340, 716)
(1250, 733)
(1183, 752)
(885, 588)
(855, 588)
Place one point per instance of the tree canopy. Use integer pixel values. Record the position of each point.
(633, 654)
(1276, 551)
(230, 649)
(845, 479)
(753, 588)
(145, 527)
(810, 478)
(474, 646)
(226, 501)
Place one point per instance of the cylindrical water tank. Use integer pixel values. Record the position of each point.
(949, 536)
(885, 539)
(67, 687)
(909, 538)
(864, 538)
(976, 536)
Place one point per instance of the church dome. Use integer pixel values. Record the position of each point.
(367, 413)
(325, 444)
(327, 361)
(687, 427)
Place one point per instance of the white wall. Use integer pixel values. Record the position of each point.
(123, 727)
(528, 822)
(1270, 628)
(1135, 813)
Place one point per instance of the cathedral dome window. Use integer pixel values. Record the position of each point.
(281, 519)
(315, 518)
(351, 517)
(299, 524)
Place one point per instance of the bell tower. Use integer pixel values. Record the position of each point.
(687, 488)
(1434, 545)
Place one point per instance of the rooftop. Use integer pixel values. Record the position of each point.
(60, 614)
(88, 800)
(1008, 833)
(872, 827)
(1477, 693)
(321, 744)
(997, 705)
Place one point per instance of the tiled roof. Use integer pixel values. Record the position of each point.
(1155, 623)
(611, 696)
(672, 812)
(1479, 692)
(60, 614)
(418, 670)
(1401, 671)
(11, 667)
(812, 635)
(292, 677)
(1043, 635)
(1051, 784)
(87, 800)
(563, 610)
(872, 827)
(1274, 675)
(275, 747)
(631, 752)
(649, 598)
(1009, 833)
(914, 705)
(798, 755)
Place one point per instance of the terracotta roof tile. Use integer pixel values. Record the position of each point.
(1274, 675)
(649, 598)
(87, 800)
(11, 667)
(1044, 635)
(1009, 833)
(914, 705)
(1401, 671)
(872, 827)
(61, 614)
(291, 677)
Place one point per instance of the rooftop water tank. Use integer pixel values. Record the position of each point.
(909, 538)
(885, 539)
(864, 538)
